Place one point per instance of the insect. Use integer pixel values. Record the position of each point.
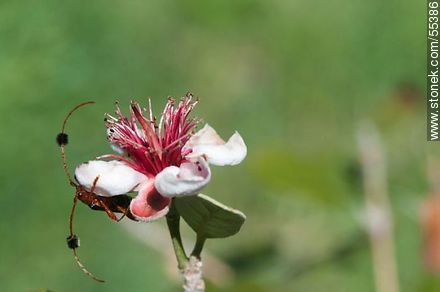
(110, 205)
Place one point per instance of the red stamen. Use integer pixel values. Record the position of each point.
(152, 147)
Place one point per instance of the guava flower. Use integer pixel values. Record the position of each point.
(158, 160)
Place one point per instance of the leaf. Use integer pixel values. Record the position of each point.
(209, 218)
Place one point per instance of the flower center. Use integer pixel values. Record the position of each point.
(152, 146)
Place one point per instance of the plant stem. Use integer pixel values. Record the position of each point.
(191, 268)
(200, 241)
(192, 276)
(173, 221)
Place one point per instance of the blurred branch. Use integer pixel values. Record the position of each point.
(378, 212)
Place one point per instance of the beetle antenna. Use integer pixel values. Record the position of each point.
(84, 269)
(63, 139)
(73, 243)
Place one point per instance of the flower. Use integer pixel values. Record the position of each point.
(158, 160)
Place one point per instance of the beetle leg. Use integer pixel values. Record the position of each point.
(104, 205)
(108, 211)
(124, 212)
(92, 190)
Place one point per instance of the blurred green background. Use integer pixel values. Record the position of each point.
(295, 78)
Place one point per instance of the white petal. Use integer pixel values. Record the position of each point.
(206, 135)
(188, 179)
(207, 143)
(115, 178)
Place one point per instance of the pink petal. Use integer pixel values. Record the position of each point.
(149, 205)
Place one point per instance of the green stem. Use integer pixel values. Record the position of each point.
(173, 221)
(198, 247)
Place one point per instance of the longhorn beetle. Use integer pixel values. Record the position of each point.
(110, 205)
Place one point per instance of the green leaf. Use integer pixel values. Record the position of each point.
(209, 218)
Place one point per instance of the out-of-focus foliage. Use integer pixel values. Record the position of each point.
(293, 77)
